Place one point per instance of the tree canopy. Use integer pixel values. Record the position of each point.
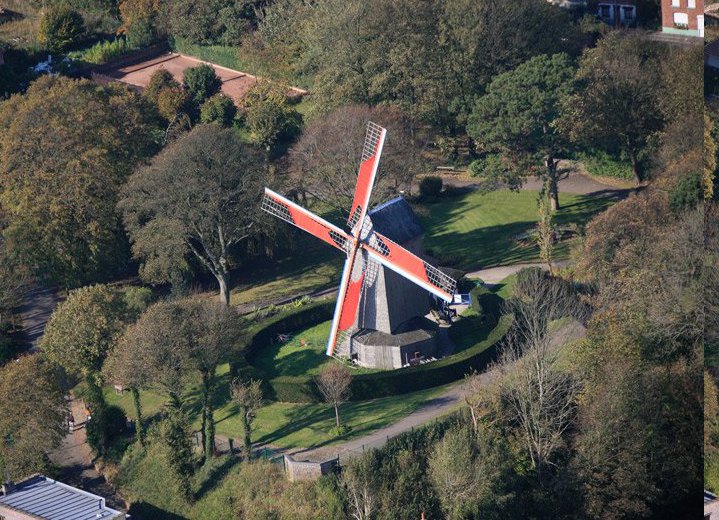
(200, 196)
(66, 146)
(518, 117)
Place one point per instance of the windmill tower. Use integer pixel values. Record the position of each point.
(384, 286)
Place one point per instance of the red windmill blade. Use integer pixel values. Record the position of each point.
(364, 247)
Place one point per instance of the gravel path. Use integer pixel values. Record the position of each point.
(34, 313)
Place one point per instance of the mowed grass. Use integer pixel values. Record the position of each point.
(285, 425)
(302, 354)
(318, 267)
(477, 230)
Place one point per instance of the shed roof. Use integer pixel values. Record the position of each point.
(52, 500)
(396, 220)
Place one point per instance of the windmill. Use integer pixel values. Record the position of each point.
(365, 248)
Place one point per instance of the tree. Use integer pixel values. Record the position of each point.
(615, 105)
(545, 232)
(540, 396)
(82, 331)
(248, 396)
(199, 196)
(60, 175)
(60, 27)
(360, 481)
(160, 79)
(326, 158)
(32, 416)
(269, 115)
(211, 329)
(518, 118)
(334, 385)
(201, 82)
(211, 22)
(141, 21)
(218, 109)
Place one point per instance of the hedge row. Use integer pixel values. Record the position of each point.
(447, 370)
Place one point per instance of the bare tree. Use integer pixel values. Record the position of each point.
(360, 479)
(248, 395)
(334, 382)
(480, 397)
(540, 396)
(326, 158)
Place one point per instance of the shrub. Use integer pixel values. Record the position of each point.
(269, 115)
(688, 192)
(603, 164)
(159, 80)
(172, 101)
(102, 52)
(107, 424)
(218, 109)
(302, 389)
(486, 303)
(201, 82)
(430, 187)
(60, 27)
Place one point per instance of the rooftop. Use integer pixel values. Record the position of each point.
(52, 500)
(396, 220)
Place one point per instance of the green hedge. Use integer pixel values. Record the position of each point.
(302, 389)
(447, 370)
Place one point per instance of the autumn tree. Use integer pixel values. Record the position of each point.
(32, 416)
(326, 158)
(60, 175)
(269, 115)
(141, 21)
(710, 158)
(222, 22)
(218, 109)
(334, 385)
(248, 396)
(60, 27)
(82, 331)
(616, 100)
(199, 196)
(518, 115)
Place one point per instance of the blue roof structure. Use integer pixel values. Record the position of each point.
(49, 499)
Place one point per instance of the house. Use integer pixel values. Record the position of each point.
(711, 506)
(41, 498)
(683, 17)
(617, 13)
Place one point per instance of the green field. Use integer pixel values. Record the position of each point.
(469, 232)
(303, 354)
(476, 230)
(287, 425)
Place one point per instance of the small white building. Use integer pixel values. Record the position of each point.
(39, 497)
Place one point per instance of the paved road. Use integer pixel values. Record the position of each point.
(34, 313)
(494, 275)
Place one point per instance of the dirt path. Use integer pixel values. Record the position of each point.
(74, 457)
(494, 275)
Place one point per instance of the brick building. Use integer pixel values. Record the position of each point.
(683, 17)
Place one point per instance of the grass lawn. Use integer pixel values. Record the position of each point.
(319, 267)
(303, 354)
(287, 425)
(475, 230)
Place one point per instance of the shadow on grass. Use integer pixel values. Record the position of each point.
(216, 476)
(297, 363)
(493, 245)
(145, 511)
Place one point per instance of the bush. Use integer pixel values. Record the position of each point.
(160, 79)
(688, 192)
(218, 109)
(430, 187)
(486, 303)
(603, 164)
(302, 389)
(201, 82)
(107, 424)
(102, 52)
(60, 27)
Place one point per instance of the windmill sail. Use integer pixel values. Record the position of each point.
(371, 152)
